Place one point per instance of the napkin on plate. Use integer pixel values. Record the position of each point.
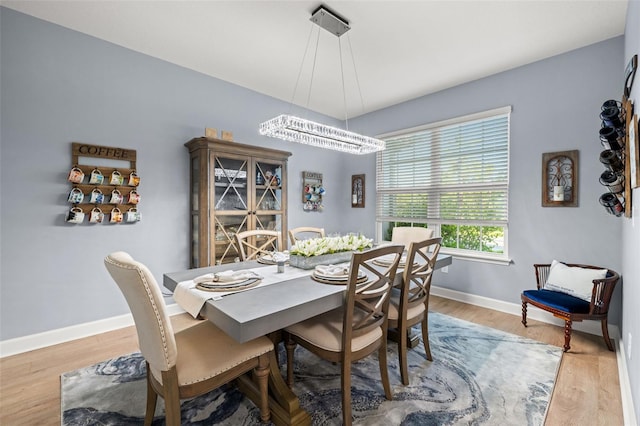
(225, 277)
(332, 270)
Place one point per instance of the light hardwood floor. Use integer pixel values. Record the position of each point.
(587, 390)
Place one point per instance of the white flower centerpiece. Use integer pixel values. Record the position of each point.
(307, 254)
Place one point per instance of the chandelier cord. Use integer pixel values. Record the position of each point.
(313, 68)
(355, 72)
(304, 57)
(344, 92)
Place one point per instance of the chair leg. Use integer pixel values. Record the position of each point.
(425, 337)
(524, 313)
(290, 345)
(345, 379)
(567, 335)
(384, 369)
(605, 334)
(171, 397)
(262, 373)
(402, 355)
(152, 398)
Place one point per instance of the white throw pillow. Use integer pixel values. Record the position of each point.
(575, 281)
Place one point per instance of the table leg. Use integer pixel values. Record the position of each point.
(413, 339)
(284, 404)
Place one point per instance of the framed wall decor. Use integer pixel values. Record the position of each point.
(560, 179)
(357, 191)
(629, 74)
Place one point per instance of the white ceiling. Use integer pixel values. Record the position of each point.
(402, 49)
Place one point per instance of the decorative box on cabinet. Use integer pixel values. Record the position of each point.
(234, 188)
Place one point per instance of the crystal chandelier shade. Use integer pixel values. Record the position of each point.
(295, 129)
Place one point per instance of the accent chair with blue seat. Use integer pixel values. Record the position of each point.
(572, 292)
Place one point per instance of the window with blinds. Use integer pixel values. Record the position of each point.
(452, 176)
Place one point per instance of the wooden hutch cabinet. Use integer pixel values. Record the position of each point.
(234, 188)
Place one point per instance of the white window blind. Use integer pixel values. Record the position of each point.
(456, 171)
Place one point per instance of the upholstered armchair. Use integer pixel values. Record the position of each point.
(406, 235)
(572, 292)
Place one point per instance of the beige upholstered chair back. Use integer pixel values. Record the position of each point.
(408, 234)
(155, 334)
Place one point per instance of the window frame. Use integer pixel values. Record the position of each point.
(435, 223)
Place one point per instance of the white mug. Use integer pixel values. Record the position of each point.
(132, 215)
(116, 215)
(96, 177)
(75, 195)
(116, 197)
(75, 215)
(76, 175)
(116, 178)
(96, 215)
(97, 197)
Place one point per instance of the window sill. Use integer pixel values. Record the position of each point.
(496, 260)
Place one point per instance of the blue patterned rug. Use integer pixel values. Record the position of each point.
(478, 376)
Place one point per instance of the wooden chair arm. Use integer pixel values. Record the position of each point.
(602, 292)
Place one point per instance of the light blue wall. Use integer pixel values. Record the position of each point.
(59, 86)
(556, 103)
(631, 232)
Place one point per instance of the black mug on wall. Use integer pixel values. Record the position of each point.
(611, 204)
(609, 138)
(611, 161)
(611, 117)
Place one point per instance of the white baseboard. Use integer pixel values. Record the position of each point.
(625, 386)
(591, 327)
(66, 334)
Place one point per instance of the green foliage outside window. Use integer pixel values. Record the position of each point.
(480, 238)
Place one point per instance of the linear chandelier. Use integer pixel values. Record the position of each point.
(295, 129)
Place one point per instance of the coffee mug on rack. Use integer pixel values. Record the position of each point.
(75, 215)
(96, 177)
(116, 215)
(97, 197)
(116, 197)
(132, 215)
(134, 197)
(134, 179)
(75, 195)
(96, 215)
(76, 175)
(116, 178)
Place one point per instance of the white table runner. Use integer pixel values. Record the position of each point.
(191, 299)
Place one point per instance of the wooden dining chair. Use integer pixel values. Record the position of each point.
(567, 307)
(307, 231)
(355, 330)
(255, 243)
(411, 305)
(190, 362)
(410, 234)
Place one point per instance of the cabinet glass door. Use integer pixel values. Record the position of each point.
(231, 205)
(268, 195)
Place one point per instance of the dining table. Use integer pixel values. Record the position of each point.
(264, 310)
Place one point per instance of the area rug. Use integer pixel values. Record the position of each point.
(478, 376)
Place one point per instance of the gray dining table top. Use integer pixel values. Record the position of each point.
(248, 314)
